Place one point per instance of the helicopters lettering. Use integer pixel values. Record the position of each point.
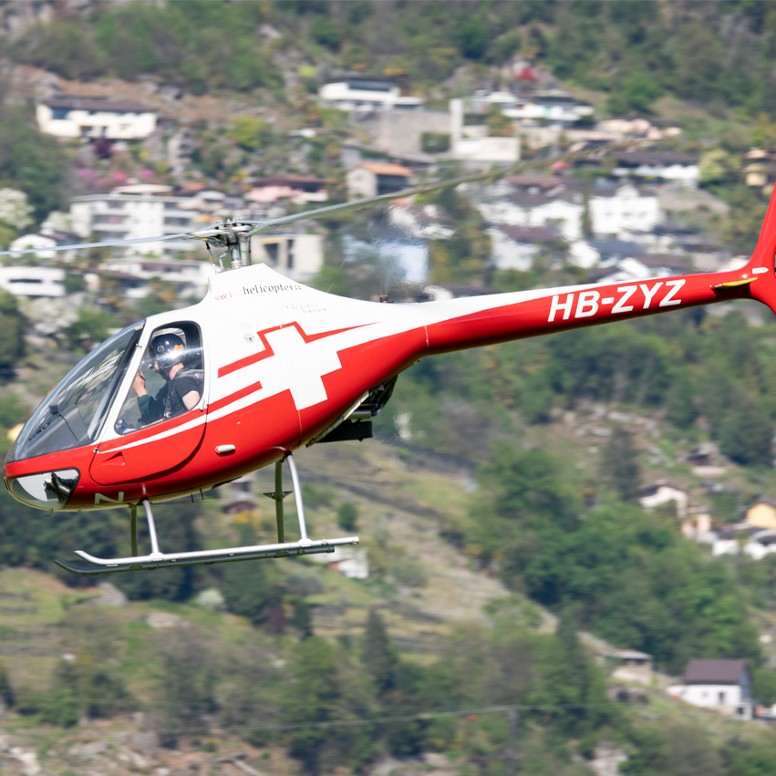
(277, 366)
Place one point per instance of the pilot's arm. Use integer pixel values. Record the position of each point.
(138, 384)
(150, 408)
(190, 399)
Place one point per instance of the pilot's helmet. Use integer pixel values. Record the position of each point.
(167, 350)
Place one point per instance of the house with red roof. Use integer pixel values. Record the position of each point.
(369, 179)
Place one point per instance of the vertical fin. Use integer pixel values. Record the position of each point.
(762, 264)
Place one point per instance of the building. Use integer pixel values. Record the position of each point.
(33, 282)
(351, 562)
(39, 245)
(561, 212)
(722, 685)
(296, 189)
(666, 166)
(761, 514)
(623, 210)
(299, 256)
(472, 143)
(370, 179)
(138, 212)
(552, 107)
(189, 277)
(629, 665)
(71, 116)
(662, 493)
(364, 94)
(760, 544)
(516, 247)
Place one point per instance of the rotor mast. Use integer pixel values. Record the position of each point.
(232, 241)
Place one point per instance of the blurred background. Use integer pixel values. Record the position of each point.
(566, 545)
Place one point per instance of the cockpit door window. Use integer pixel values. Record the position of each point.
(161, 419)
(170, 380)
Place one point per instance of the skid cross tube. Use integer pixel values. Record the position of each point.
(156, 559)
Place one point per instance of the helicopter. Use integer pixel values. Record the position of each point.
(264, 366)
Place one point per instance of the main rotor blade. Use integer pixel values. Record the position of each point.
(101, 244)
(357, 204)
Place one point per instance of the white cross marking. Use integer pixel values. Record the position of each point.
(297, 366)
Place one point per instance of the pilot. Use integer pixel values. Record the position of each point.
(182, 387)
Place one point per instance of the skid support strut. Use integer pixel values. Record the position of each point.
(157, 559)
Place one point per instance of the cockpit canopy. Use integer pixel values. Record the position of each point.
(76, 411)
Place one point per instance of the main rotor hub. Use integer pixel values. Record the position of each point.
(233, 238)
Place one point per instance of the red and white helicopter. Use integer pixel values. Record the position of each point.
(268, 365)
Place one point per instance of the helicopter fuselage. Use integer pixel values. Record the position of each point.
(281, 364)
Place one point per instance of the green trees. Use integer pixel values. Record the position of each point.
(571, 690)
(185, 687)
(31, 162)
(635, 53)
(746, 433)
(7, 694)
(194, 45)
(619, 467)
(347, 516)
(13, 326)
(322, 695)
(379, 655)
(632, 577)
(635, 94)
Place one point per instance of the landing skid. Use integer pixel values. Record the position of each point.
(156, 559)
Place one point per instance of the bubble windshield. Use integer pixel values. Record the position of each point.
(73, 414)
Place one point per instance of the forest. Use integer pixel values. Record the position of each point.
(634, 52)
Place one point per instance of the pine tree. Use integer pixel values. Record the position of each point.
(619, 465)
(379, 654)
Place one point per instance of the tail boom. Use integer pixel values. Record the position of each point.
(506, 317)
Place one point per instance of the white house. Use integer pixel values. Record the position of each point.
(618, 211)
(582, 254)
(722, 685)
(760, 544)
(358, 93)
(33, 282)
(137, 212)
(624, 210)
(516, 247)
(351, 562)
(72, 116)
(190, 277)
(38, 245)
(666, 166)
(472, 143)
(532, 210)
(662, 493)
(550, 107)
(554, 107)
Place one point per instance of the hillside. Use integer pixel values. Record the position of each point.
(427, 592)
(497, 507)
(401, 513)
